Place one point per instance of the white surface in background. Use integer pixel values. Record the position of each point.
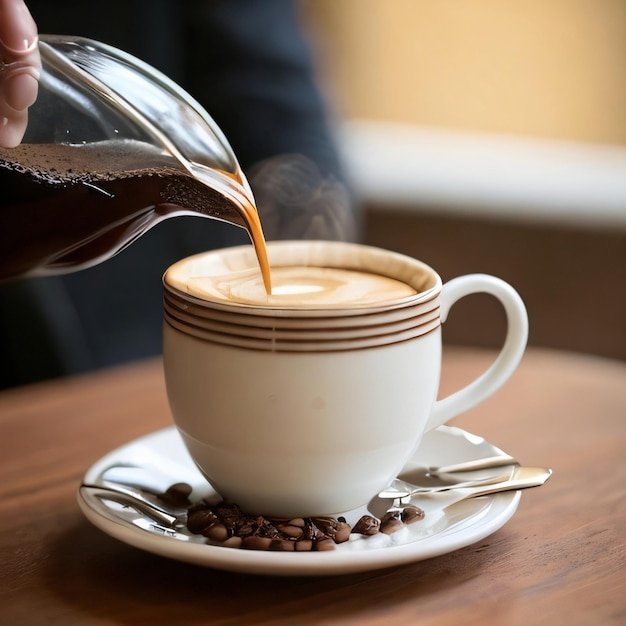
(504, 176)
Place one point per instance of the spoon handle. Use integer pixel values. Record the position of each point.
(133, 500)
(523, 478)
(499, 460)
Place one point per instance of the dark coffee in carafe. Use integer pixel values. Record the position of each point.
(64, 207)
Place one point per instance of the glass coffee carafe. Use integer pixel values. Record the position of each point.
(112, 148)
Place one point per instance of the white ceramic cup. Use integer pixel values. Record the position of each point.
(303, 410)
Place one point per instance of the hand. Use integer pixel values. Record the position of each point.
(19, 70)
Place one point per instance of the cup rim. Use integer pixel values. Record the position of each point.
(417, 274)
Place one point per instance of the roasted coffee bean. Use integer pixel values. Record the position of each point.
(229, 513)
(326, 524)
(177, 495)
(232, 542)
(198, 519)
(293, 532)
(390, 524)
(249, 525)
(367, 525)
(343, 532)
(256, 543)
(304, 545)
(311, 531)
(246, 526)
(265, 528)
(336, 530)
(217, 532)
(412, 514)
(282, 545)
(324, 544)
(225, 523)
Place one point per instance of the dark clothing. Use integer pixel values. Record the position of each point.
(249, 65)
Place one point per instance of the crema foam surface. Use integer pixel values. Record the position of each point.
(301, 286)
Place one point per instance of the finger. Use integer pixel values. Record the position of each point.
(18, 87)
(12, 127)
(19, 70)
(18, 91)
(18, 32)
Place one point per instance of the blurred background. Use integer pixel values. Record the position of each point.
(477, 135)
(490, 136)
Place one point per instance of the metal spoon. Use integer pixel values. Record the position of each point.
(402, 489)
(127, 491)
(478, 471)
(175, 518)
(521, 478)
(499, 460)
(170, 517)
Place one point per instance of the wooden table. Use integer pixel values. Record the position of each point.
(560, 560)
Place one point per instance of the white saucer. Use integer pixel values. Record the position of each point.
(164, 461)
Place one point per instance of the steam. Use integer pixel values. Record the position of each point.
(295, 201)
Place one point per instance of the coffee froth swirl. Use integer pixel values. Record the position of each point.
(301, 286)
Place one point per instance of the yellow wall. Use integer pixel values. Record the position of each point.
(547, 68)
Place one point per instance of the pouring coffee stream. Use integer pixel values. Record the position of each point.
(112, 148)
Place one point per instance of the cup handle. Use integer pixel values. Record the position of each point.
(508, 358)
